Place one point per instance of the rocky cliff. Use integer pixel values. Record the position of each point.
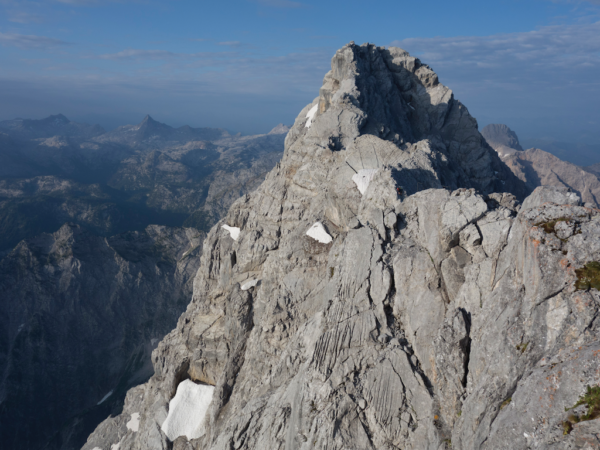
(382, 289)
(79, 316)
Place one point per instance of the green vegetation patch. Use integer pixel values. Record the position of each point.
(591, 399)
(548, 227)
(505, 403)
(522, 347)
(589, 276)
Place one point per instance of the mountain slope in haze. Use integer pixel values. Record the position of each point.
(578, 153)
(79, 317)
(150, 134)
(594, 168)
(149, 173)
(381, 293)
(539, 168)
(56, 125)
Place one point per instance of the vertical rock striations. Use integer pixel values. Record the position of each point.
(436, 300)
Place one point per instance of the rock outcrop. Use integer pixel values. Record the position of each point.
(442, 314)
(79, 317)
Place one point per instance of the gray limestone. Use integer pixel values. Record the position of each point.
(438, 299)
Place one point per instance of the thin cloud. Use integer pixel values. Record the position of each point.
(281, 3)
(230, 43)
(24, 17)
(548, 48)
(137, 54)
(79, 2)
(87, 2)
(593, 2)
(29, 41)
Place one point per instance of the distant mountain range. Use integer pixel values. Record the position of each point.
(150, 134)
(125, 179)
(537, 167)
(56, 125)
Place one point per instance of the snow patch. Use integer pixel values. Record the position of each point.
(234, 232)
(134, 423)
(187, 410)
(248, 284)
(317, 232)
(311, 115)
(115, 446)
(363, 178)
(96, 448)
(104, 398)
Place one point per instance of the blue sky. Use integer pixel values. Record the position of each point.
(247, 65)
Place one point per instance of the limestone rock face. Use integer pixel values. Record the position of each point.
(436, 300)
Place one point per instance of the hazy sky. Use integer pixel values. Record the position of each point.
(247, 65)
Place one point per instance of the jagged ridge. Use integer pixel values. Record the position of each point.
(432, 305)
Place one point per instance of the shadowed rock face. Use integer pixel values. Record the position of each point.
(79, 317)
(437, 300)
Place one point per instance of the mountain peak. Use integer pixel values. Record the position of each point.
(58, 119)
(376, 97)
(148, 119)
(381, 326)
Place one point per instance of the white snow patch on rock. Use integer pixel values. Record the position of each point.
(115, 446)
(234, 232)
(104, 398)
(317, 232)
(248, 284)
(363, 178)
(134, 423)
(187, 410)
(96, 448)
(311, 115)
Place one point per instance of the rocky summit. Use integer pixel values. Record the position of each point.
(382, 289)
